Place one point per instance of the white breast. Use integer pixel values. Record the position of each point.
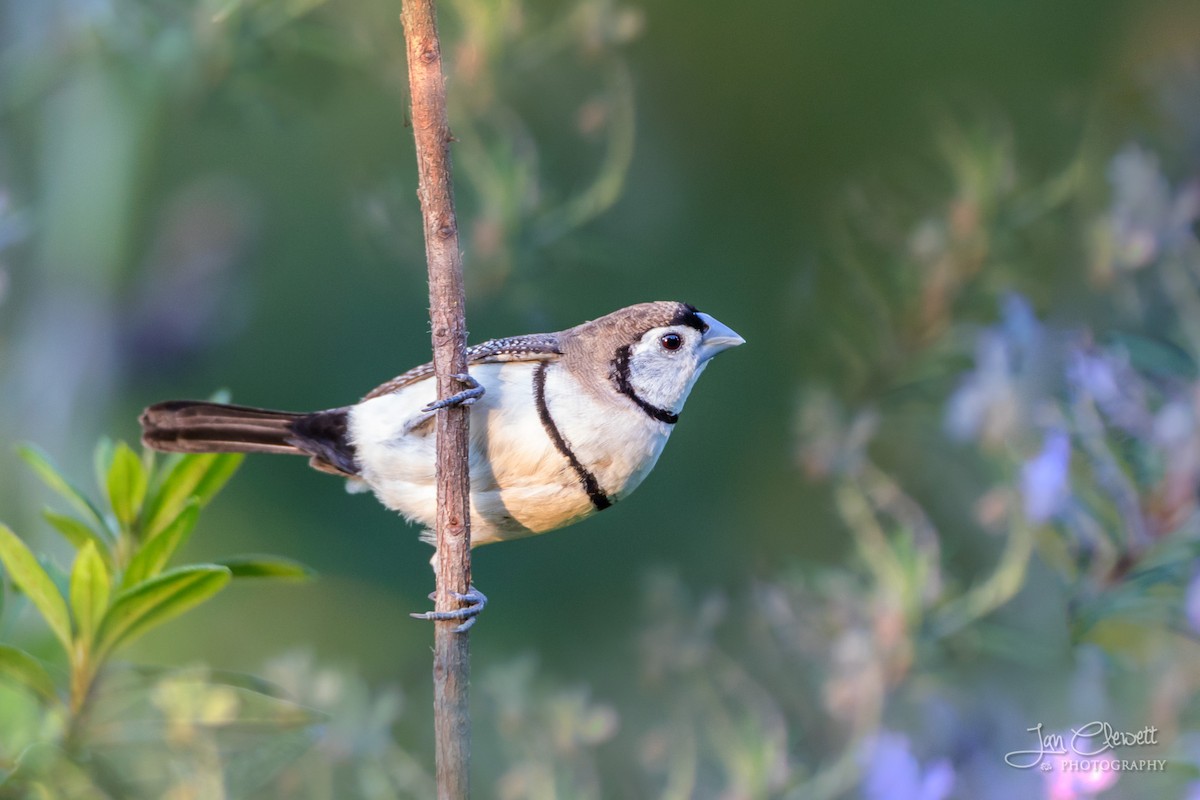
(520, 483)
(617, 441)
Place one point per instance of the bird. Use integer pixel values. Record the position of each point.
(562, 425)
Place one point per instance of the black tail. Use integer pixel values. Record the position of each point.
(195, 426)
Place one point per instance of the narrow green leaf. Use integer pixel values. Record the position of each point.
(126, 484)
(1154, 355)
(195, 475)
(28, 575)
(218, 474)
(157, 600)
(20, 667)
(255, 566)
(89, 590)
(102, 458)
(50, 475)
(79, 534)
(152, 557)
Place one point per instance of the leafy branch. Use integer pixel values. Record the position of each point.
(120, 584)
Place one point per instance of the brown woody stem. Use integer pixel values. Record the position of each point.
(451, 660)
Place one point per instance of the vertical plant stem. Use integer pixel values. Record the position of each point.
(451, 660)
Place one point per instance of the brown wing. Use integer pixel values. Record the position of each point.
(532, 347)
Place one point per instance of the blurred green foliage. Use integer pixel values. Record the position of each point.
(948, 492)
(118, 588)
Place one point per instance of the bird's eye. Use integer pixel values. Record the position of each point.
(671, 341)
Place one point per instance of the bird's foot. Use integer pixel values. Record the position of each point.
(466, 397)
(476, 601)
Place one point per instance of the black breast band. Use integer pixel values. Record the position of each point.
(590, 485)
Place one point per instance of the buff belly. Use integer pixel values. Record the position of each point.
(396, 447)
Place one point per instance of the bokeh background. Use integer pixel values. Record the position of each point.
(945, 493)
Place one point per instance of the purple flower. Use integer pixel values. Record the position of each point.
(1191, 608)
(990, 402)
(892, 772)
(1020, 324)
(1045, 478)
(1107, 377)
(985, 405)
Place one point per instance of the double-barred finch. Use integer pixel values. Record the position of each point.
(562, 424)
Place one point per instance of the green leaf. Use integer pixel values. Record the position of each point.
(126, 484)
(44, 771)
(89, 590)
(102, 458)
(221, 396)
(153, 556)
(195, 475)
(157, 600)
(79, 534)
(50, 475)
(255, 566)
(221, 470)
(20, 667)
(31, 579)
(1157, 356)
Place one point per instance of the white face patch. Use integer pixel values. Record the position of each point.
(664, 365)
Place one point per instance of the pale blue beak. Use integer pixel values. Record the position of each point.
(718, 337)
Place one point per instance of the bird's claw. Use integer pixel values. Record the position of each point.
(466, 397)
(476, 601)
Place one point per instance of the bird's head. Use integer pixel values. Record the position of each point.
(653, 352)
